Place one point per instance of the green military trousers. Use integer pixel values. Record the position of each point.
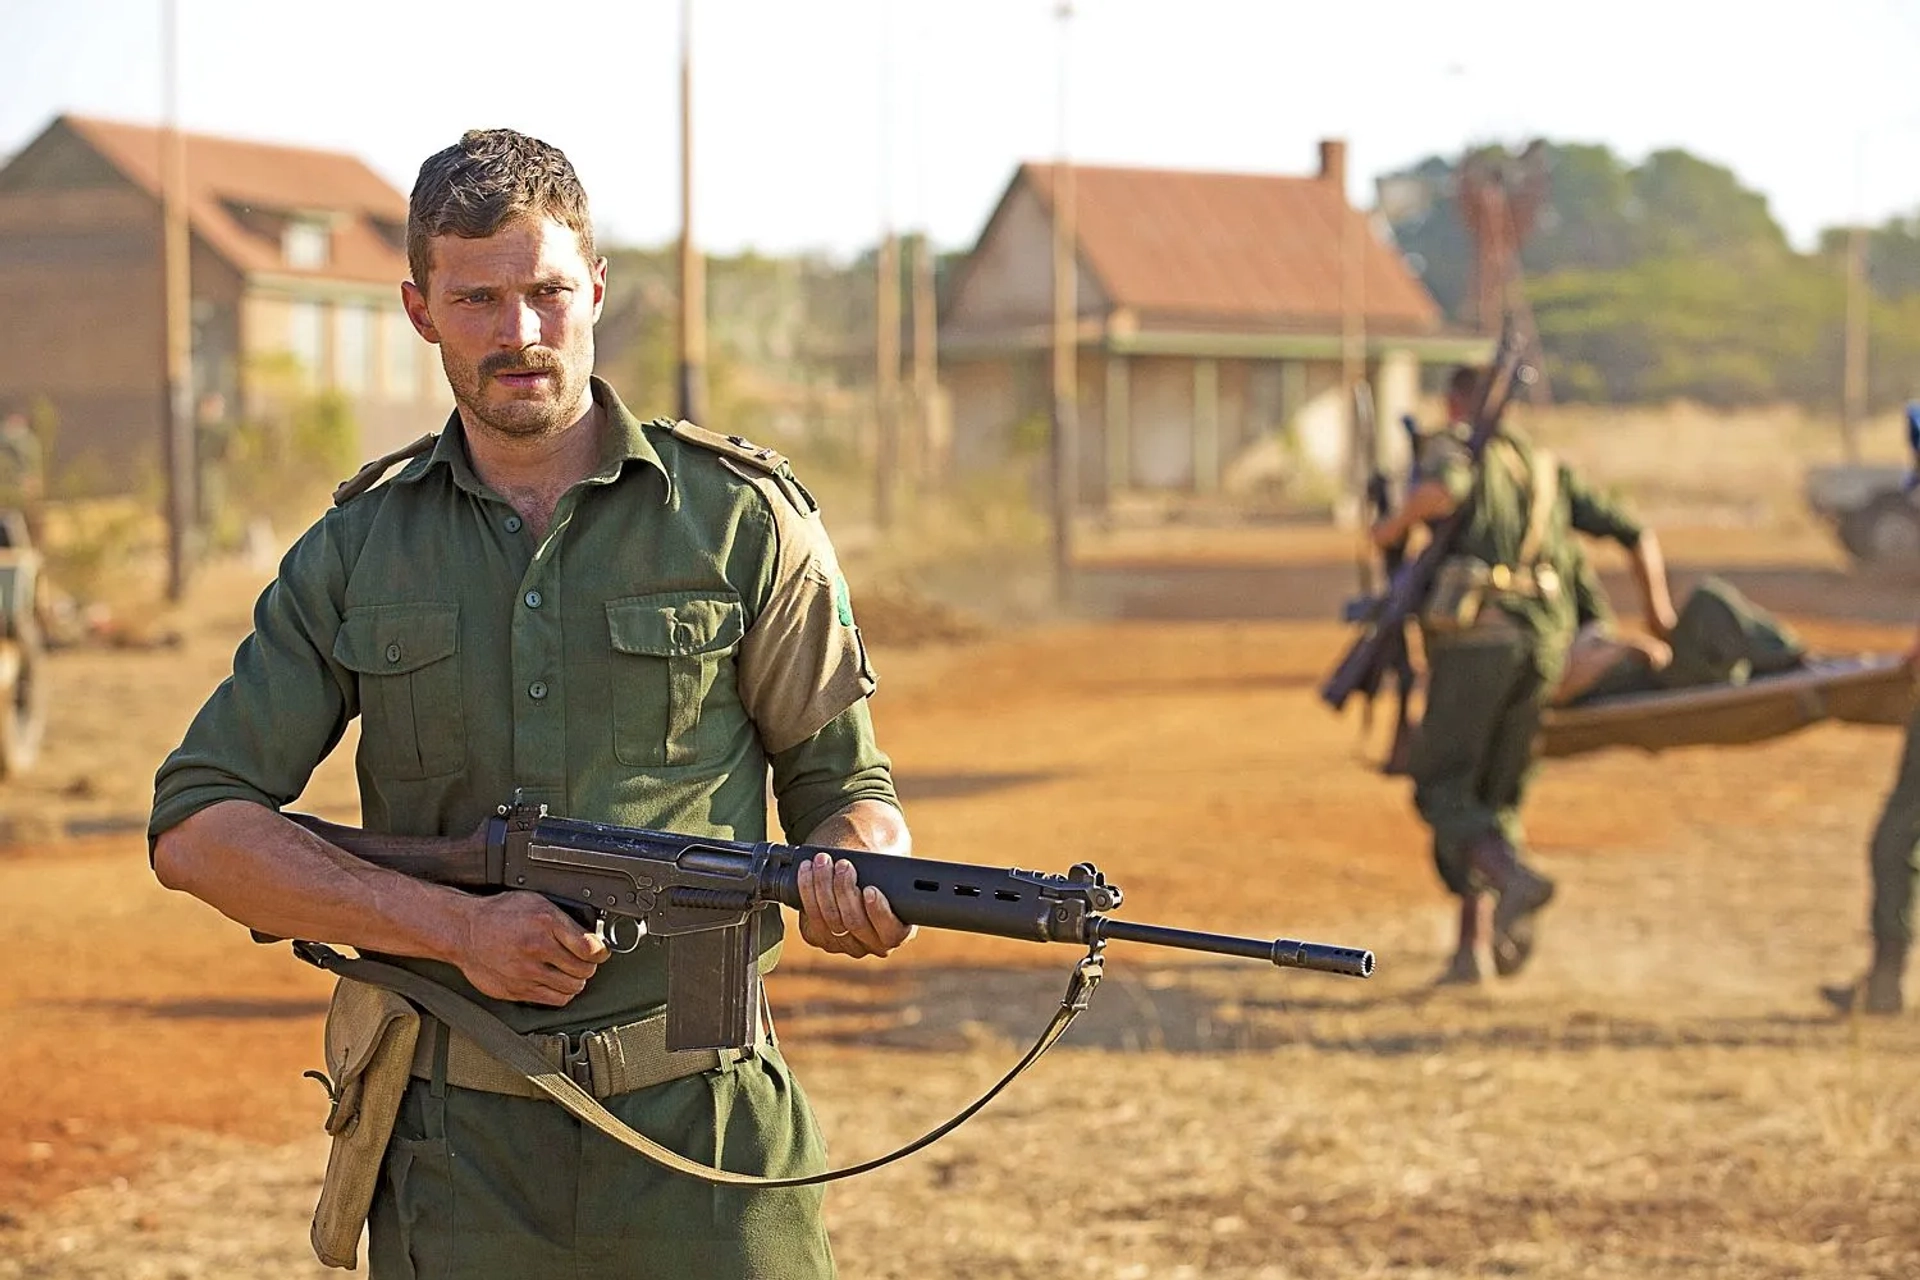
(1895, 852)
(1473, 757)
(1720, 637)
(484, 1186)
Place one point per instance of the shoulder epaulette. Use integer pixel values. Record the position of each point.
(368, 476)
(738, 448)
(745, 459)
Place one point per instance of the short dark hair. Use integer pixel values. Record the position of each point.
(488, 178)
(1465, 381)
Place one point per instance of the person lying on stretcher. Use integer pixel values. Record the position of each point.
(1719, 637)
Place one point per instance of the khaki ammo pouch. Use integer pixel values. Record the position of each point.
(370, 1041)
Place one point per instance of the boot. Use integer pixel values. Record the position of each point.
(1878, 991)
(1465, 970)
(1522, 892)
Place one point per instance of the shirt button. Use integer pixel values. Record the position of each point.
(533, 599)
(513, 524)
(537, 690)
(393, 653)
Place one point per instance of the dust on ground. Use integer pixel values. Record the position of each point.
(1662, 1094)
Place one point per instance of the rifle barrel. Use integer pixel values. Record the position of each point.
(1284, 953)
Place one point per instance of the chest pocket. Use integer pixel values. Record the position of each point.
(412, 720)
(671, 658)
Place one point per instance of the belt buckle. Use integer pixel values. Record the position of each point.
(574, 1059)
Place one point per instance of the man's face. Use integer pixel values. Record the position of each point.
(513, 316)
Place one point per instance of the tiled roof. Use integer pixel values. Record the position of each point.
(225, 175)
(1233, 247)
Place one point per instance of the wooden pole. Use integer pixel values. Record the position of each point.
(1853, 408)
(929, 464)
(1065, 418)
(693, 268)
(177, 302)
(886, 377)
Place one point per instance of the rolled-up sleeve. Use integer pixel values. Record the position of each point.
(1444, 459)
(1597, 514)
(822, 775)
(269, 724)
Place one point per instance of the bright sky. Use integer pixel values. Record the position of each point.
(1814, 105)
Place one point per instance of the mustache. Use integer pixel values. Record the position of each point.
(533, 360)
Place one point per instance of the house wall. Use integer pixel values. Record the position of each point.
(81, 284)
(1009, 277)
(306, 338)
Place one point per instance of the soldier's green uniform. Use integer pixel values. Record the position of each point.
(1491, 670)
(1895, 853)
(680, 629)
(1720, 637)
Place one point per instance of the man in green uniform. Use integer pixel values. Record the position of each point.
(1495, 631)
(624, 621)
(1894, 858)
(23, 476)
(1719, 637)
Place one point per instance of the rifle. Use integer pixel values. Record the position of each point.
(1397, 659)
(702, 896)
(1372, 651)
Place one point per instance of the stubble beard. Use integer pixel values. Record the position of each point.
(518, 419)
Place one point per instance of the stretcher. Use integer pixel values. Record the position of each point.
(1873, 689)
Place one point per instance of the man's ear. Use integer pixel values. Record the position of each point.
(415, 303)
(598, 273)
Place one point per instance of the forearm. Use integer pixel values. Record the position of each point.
(262, 870)
(873, 826)
(1428, 501)
(1650, 573)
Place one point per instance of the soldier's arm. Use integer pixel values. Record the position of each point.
(1602, 516)
(805, 679)
(216, 831)
(1443, 477)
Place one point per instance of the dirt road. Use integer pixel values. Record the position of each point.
(1661, 1095)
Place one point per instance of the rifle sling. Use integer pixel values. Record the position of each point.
(503, 1042)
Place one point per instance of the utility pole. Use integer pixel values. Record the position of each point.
(177, 445)
(886, 377)
(929, 461)
(1353, 332)
(1065, 453)
(1853, 406)
(693, 267)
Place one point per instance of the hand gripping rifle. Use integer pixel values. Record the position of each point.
(702, 896)
(1362, 665)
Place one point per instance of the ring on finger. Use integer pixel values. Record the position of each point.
(839, 933)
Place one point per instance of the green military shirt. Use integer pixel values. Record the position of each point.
(681, 626)
(1499, 498)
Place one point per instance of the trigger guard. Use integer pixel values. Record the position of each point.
(610, 927)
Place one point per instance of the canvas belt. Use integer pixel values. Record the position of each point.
(606, 1062)
(1533, 581)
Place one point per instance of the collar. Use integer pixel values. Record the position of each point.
(625, 440)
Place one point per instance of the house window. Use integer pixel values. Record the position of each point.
(306, 243)
(353, 357)
(307, 339)
(403, 350)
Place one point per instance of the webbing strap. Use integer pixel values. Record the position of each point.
(504, 1043)
(1546, 496)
